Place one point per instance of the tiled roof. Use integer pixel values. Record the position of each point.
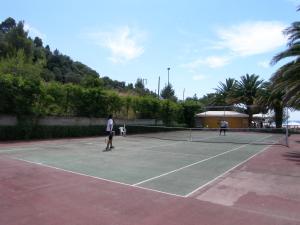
(222, 114)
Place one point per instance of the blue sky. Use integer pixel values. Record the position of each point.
(203, 42)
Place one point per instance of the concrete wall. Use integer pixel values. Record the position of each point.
(70, 121)
(6, 120)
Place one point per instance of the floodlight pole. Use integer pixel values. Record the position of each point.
(158, 87)
(168, 74)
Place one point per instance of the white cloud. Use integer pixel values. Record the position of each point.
(252, 38)
(123, 43)
(199, 77)
(210, 61)
(216, 61)
(34, 32)
(264, 64)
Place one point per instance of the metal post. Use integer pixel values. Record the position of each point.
(287, 128)
(168, 74)
(158, 86)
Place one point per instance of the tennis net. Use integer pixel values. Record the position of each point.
(263, 136)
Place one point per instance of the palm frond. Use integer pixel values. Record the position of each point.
(293, 32)
(287, 73)
(288, 81)
(290, 52)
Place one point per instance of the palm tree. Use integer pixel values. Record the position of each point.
(271, 100)
(245, 91)
(287, 77)
(224, 90)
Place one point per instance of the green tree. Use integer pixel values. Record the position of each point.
(7, 94)
(7, 25)
(170, 112)
(287, 77)
(210, 99)
(139, 87)
(18, 94)
(38, 42)
(245, 92)
(128, 101)
(139, 84)
(114, 103)
(17, 39)
(271, 100)
(223, 91)
(147, 107)
(54, 99)
(92, 102)
(91, 81)
(190, 108)
(20, 65)
(168, 93)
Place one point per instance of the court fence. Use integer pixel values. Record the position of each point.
(59, 127)
(257, 136)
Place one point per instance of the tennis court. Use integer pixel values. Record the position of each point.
(178, 167)
(138, 164)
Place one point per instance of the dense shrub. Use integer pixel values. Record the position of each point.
(26, 132)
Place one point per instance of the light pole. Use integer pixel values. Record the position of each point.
(168, 74)
(158, 87)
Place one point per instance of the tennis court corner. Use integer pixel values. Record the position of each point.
(267, 185)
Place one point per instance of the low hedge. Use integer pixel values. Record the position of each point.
(25, 132)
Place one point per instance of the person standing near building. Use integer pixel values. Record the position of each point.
(109, 133)
(223, 126)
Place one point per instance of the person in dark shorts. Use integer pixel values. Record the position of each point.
(109, 133)
(223, 127)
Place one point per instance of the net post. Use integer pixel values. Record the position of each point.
(287, 136)
(190, 134)
(287, 128)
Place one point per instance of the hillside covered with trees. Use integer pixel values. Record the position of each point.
(36, 81)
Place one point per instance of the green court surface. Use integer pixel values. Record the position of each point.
(173, 167)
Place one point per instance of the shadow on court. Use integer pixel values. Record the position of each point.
(293, 156)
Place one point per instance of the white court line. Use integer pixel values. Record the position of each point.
(181, 168)
(162, 152)
(195, 163)
(221, 175)
(112, 181)
(98, 178)
(18, 150)
(158, 146)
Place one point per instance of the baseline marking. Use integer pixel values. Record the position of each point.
(98, 178)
